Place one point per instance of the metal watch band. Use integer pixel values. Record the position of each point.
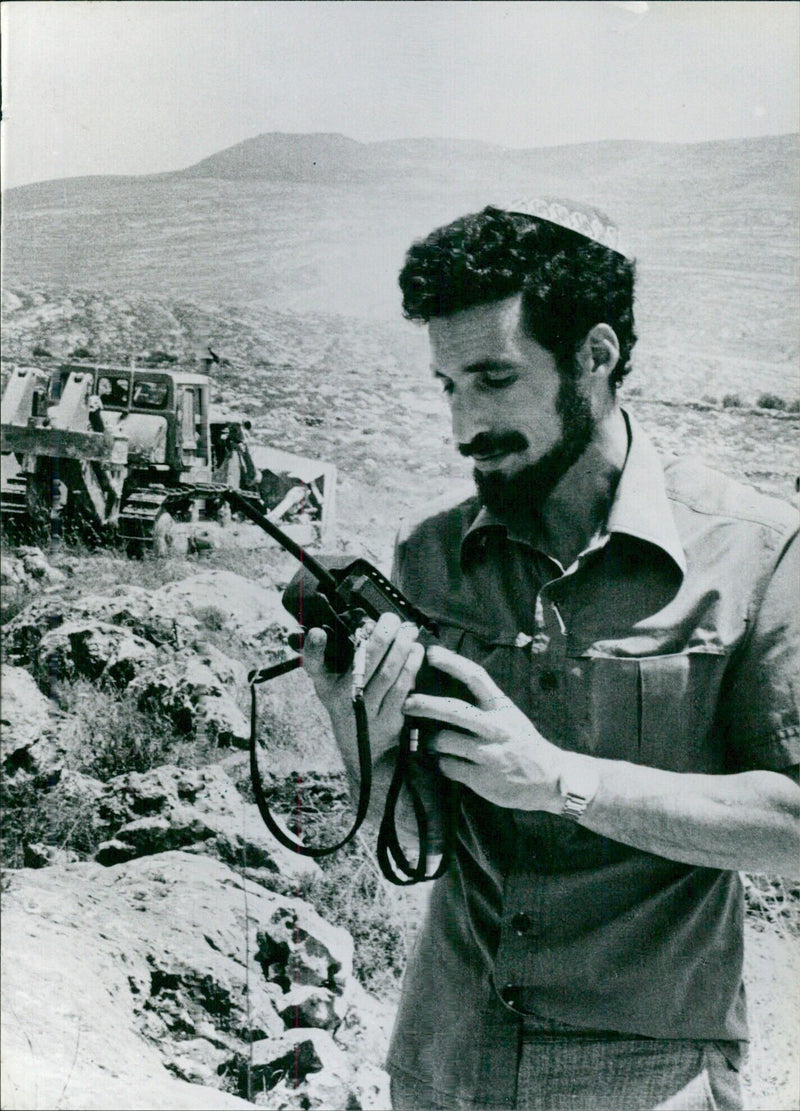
(574, 806)
(578, 785)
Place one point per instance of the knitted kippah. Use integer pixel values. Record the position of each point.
(583, 219)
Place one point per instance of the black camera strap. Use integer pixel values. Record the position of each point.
(364, 767)
(393, 862)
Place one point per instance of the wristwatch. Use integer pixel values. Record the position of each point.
(577, 784)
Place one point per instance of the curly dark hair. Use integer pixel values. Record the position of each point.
(568, 282)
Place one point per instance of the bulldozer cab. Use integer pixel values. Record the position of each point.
(164, 415)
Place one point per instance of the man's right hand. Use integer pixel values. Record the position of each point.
(393, 659)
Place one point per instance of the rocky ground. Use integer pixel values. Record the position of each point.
(153, 938)
(160, 948)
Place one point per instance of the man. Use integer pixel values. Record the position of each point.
(626, 630)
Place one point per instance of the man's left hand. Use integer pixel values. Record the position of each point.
(497, 752)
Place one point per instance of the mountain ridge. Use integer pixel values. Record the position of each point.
(713, 227)
(272, 146)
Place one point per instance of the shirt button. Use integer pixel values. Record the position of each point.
(510, 996)
(548, 680)
(521, 923)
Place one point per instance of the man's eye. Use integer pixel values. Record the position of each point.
(447, 385)
(498, 382)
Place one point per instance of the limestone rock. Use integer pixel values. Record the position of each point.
(169, 808)
(293, 1056)
(93, 650)
(30, 745)
(245, 607)
(22, 634)
(231, 673)
(296, 946)
(30, 570)
(129, 607)
(39, 855)
(143, 612)
(307, 1005)
(118, 981)
(191, 693)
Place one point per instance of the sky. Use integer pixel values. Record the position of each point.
(119, 87)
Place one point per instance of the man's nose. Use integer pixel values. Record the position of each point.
(467, 418)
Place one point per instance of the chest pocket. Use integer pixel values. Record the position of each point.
(653, 710)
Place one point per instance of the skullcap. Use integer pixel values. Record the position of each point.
(583, 219)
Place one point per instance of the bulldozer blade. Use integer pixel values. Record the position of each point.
(54, 443)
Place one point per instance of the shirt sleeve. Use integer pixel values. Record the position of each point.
(760, 696)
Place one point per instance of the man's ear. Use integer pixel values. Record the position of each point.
(599, 352)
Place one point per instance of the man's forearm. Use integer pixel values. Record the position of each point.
(744, 822)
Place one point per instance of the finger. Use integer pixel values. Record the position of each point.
(449, 711)
(313, 656)
(462, 771)
(449, 743)
(467, 671)
(380, 641)
(391, 665)
(407, 676)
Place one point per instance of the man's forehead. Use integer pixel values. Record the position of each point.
(483, 331)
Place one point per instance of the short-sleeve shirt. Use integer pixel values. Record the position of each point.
(671, 642)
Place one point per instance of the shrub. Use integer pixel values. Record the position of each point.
(773, 902)
(793, 406)
(106, 736)
(13, 599)
(31, 816)
(159, 358)
(771, 401)
(40, 352)
(731, 401)
(132, 740)
(81, 353)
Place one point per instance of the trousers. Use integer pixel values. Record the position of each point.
(600, 1073)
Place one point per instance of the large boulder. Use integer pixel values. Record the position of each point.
(129, 607)
(22, 634)
(253, 611)
(120, 984)
(93, 650)
(31, 745)
(200, 810)
(196, 694)
(29, 570)
(301, 950)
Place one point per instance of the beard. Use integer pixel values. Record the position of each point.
(519, 498)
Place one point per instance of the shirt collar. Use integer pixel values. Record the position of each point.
(640, 507)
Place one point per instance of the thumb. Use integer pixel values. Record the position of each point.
(471, 674)
(313, 656)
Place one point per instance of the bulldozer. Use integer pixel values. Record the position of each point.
(123, 453)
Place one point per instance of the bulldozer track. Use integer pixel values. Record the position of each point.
(140, 513)
(14, 498)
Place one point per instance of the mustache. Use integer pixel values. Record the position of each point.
(491, 443)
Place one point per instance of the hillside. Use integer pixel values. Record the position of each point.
(321, 223)
(359, 394)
